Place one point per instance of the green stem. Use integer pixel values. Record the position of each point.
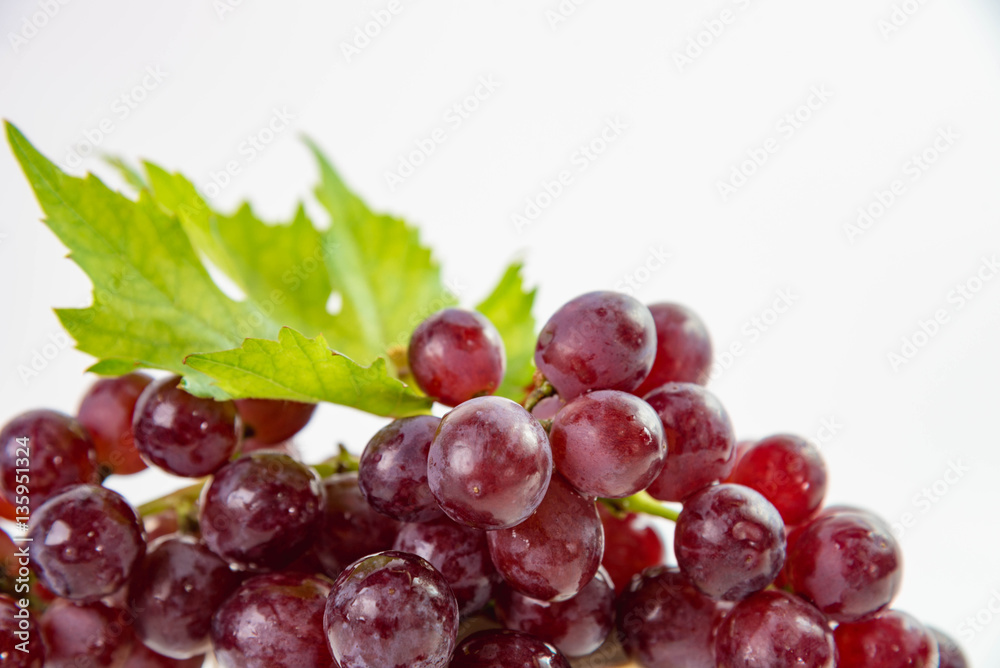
(545, 389)
(643, 503)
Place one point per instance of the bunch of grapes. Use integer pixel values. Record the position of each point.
(501, 535)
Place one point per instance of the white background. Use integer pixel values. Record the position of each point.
(654, 187)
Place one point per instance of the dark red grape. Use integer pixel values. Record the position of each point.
(273, 621)
(949, 651)
(700, 440)
(773, 629)
(9, 562)
(729, 541)
(174, 592)
(490, 463)
(576, 626)
(847, 563)
(106, 411)
(7, 510)
(86, 634)
(664, 620)
(261, 511)
(160, 524)
(608, 443)
(628, 548)
(683, 348)
(598, 341)
(555, 552)
(18, 629)
(143, 657)
(184, 434)
(86, 542)
(460, 553)
(270, 421)
(456, 355)
(547, 408)
(42, 453)
(788, 471)
(391, 609)
(393, 470)
(349, 528)
(890, 639)
(506, 649)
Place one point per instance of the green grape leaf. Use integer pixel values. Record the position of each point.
(509, 308)
(297, 368)
(387, 280)
(154, 301)
(279, 267)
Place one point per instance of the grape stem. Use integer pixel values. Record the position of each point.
(184, 501)
(643, 503)
(545, 389)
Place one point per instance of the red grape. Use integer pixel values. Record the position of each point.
(729, 541)
(456, 355)
(506, 649)
(55, 449)
(143, 657)
(608, 443)
(598, 341)
(271, 421)
(106, 411)
(683, 348)
(788, 471)
(85, 634)
(700, 441)
(391, 609)
(17, 626)
(628, 548)
(890, 639)
(393, 470)
(949, 651)
(490, 463)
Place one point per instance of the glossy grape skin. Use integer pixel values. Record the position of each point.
(890, 639)
(598, 341)
(86, 634)
(700, 440)
(501, 648)
(950, 653)
(847, 563)
(106, 412)
(143, 657)
(683, 348)
(729, 541)
(10, 626)
(261, 511)
(774, 629)
(554, 553)
(664, 620)
(391, 609)
(576, 626)
(548, 407)
(273, 621)
(86, 542)
(271, 421)
(608, 443)
(349, 528)
(8, 561)
(183, 434)
(393, 470)
(60, 455)
(788, 471)
(459, 553)
(628, 548)
(456, 355)
(174, 592)
(489, 464)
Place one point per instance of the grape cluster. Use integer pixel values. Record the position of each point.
(501, 535)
